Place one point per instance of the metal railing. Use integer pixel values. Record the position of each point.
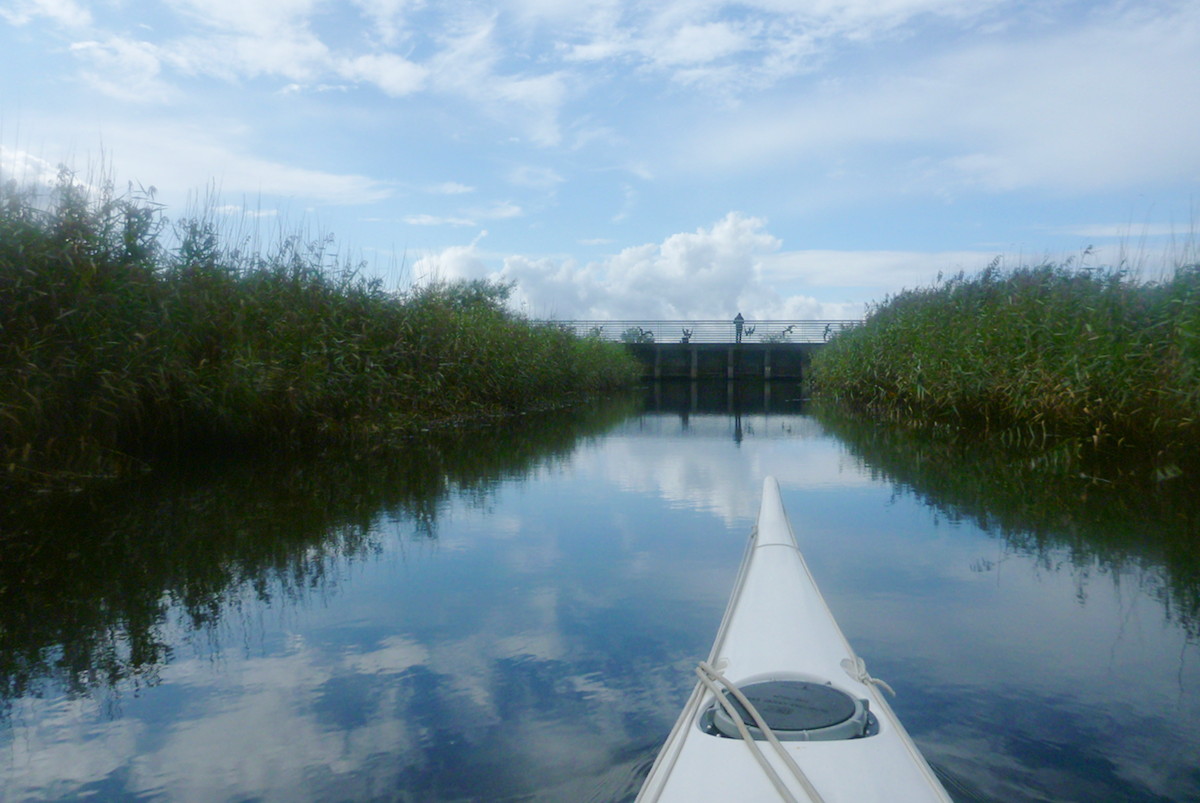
(696, 331)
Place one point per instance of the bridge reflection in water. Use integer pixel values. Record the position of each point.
(729, 400)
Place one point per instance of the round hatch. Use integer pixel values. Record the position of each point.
(796, 710)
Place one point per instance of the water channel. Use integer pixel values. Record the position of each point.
(513, 614)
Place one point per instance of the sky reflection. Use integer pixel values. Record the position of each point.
(535, 642)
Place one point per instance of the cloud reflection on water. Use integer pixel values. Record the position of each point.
(540, 646)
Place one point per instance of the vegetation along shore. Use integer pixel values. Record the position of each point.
(1095, 357)
(125, 336)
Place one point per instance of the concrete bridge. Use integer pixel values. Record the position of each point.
(729, 349)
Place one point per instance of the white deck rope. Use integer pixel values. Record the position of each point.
(710, 677)
(857, 668)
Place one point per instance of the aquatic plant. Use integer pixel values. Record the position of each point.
(1092, 354)
(123, 336)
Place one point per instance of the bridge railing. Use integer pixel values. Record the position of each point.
(700, 331)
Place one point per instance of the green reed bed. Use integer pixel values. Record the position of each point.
(1094, 355)
(123, 336)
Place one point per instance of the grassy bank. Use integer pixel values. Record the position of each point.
(1092, 355)
(124, 336)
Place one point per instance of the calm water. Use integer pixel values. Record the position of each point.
(514, 615)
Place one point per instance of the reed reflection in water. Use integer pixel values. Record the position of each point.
(514, 614)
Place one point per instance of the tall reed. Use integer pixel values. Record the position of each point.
(123, 335)
(1090, 354)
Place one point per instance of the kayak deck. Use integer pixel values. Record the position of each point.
(778, 628)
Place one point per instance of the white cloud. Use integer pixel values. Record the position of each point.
(1127, 230)
(435, 220)
(295, 55)
(868, 269)
(734, 265)
(1075, 109)
(124, 69)
(630, 196)
(394, 75)
(25, 168)
(451, 188)
(753, 44)
(698, 44)
(537, 178)
(180, 157)
(245, 211)
(709, 273)
(63, 12)
(387, 17)
(261, 17)
(468, 65)
(502, 210)
(454, 263)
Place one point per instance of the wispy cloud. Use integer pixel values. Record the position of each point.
(937, 124)
(1127, 230)
(995, 114)
(180, 157)
(233, 210)
(451, 188)
(395, 75)
(66, 13)
(435, 220)
(501, 210)
(537, 178)
(125, 69)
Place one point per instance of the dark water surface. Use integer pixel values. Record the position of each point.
(514, 614)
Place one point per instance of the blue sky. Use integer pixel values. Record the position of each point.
(619, 159)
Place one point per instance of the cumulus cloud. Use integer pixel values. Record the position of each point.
(712, 272)
(463, 262)
(26, 169)
(734, 265)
